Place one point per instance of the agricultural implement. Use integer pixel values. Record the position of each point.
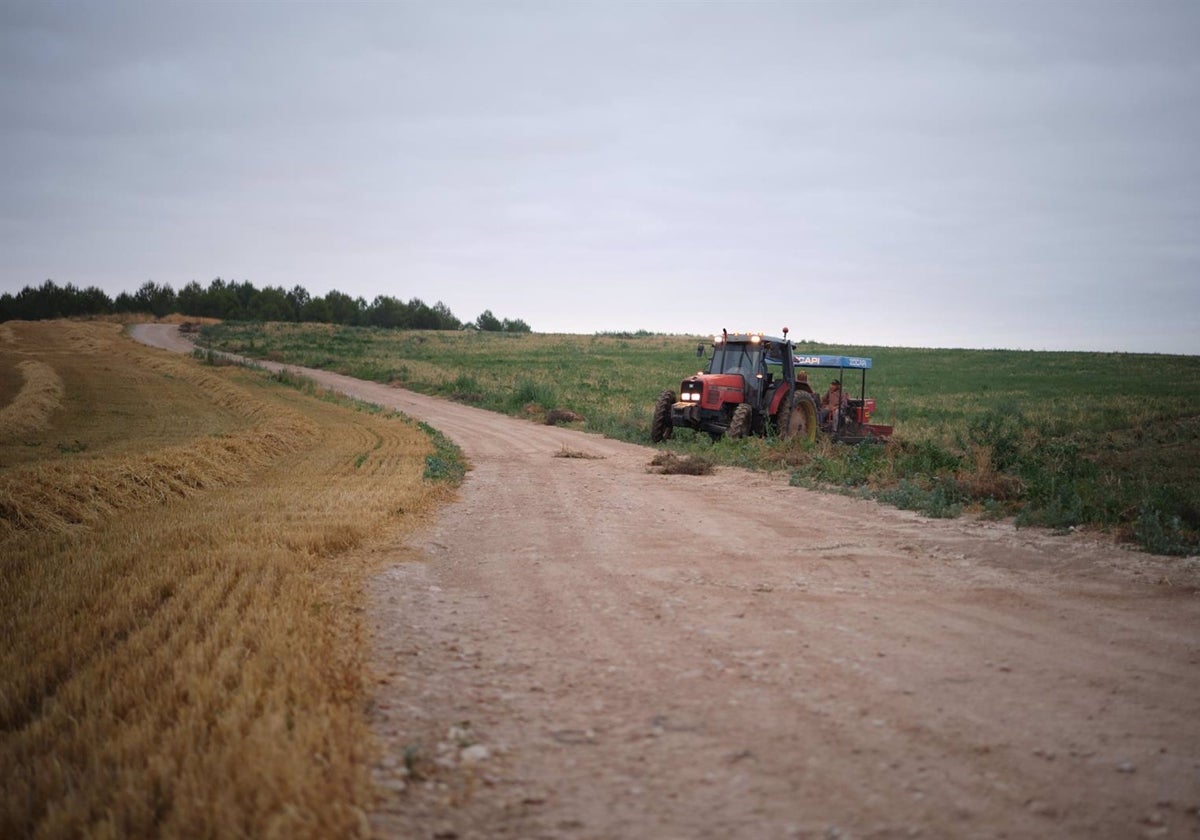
(848, 419)
(755, 385)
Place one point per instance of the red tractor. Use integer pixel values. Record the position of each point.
(749, 389)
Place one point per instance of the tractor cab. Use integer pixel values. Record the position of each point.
(848, 418)
(761, 362)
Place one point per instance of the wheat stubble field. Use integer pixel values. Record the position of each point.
(183, 549)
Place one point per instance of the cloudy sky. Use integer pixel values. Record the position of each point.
(937, 174)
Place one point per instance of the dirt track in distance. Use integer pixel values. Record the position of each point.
(578, 648)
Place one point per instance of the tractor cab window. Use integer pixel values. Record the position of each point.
(743, 359)
(774, 364)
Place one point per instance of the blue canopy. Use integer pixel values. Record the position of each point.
(821, 361)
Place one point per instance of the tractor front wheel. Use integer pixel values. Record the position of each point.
(660, 426)
(742, 423)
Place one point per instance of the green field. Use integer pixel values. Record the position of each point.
(1061, 440)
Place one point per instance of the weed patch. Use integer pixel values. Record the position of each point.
(564, 452)
(1168, 522)
(562, 415)
(446, 464)
(942, 499)
(668, 463)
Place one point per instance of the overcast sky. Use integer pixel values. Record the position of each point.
(935, 174)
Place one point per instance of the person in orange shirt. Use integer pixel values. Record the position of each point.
(832, 405)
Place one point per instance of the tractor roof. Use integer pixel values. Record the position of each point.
(746, 338)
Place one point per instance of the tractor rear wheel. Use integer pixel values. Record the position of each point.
(803, 420)
(742, 423)
(660, 426)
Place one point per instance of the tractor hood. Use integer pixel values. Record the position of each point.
(714, 389)
(723, 380)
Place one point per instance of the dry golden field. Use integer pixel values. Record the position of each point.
(182, 552)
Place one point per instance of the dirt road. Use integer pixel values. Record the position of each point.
(578, 648)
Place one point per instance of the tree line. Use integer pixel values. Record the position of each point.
(233, 301)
